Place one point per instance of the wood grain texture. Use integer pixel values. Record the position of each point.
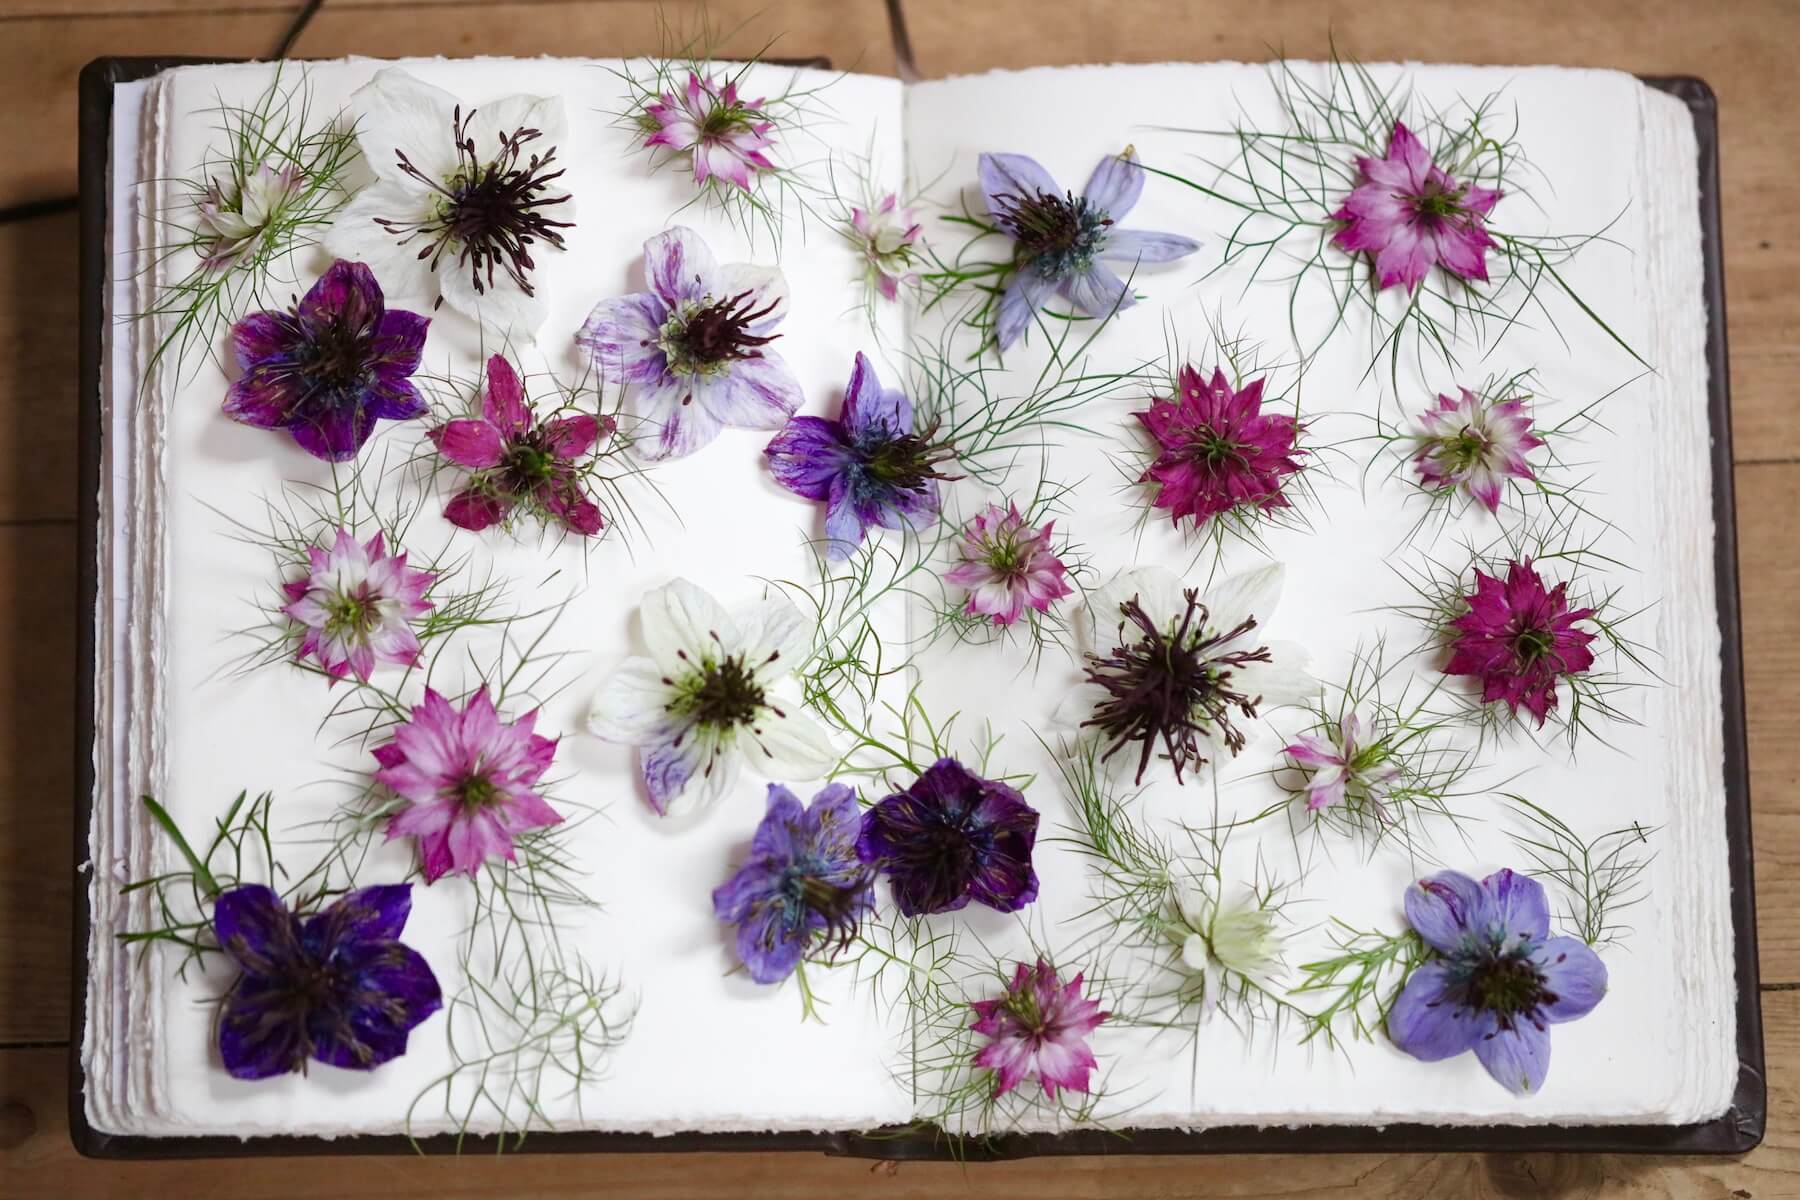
(38, 297)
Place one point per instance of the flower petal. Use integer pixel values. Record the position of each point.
(1015, 176)
(1517, 1058)
(469, 443)
(1520, 905)
(683, 624)
(1426, 1022)
(757, 393)
(1115, 185)
(680, 265)
(1574, 974)
(1143, 246)
(631, 706)
(1446, 908)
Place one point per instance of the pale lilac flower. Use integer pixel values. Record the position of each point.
(1007, 566)
(885, 236)
(357, 604)
(723, 135)
(1344, 765)
(232, 224)
(1475, 445)
(1038, 1030)
(1409, 216)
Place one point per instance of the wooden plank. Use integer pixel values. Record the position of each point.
(38, 298)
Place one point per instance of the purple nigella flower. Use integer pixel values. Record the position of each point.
(802, 885)
(357, 604)
(1498, 980)
(886, 235)
(470, 780)
(723, 136)
(868, 467)
(1007, 566)
(950, 838)
(1038, 1030)
(1344, 765)
(1475, 445)
(692, 353)
(517, 461)
(1217, 451)
(328, 370)
(1062, 241)
(337, 986)
(1410, 215)
(1519, 638)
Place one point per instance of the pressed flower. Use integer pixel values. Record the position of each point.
(1239, 937)
(1474, 445)
(517, 460)
(950, 838)
(1038, 1030)
(694, 352)
(803, 888)
(1062, 242)
(1519, 638)
(868, 467)
(1007, 566)
(329, 369)
(337, 986)
(1344, 765)
(723, 135)
(1498, 980)
(886, 236)
(705, 698)
(1409, 215)
(470, 780)
(464, 198)
(1217, 451)
(356, 604)
(232, 222)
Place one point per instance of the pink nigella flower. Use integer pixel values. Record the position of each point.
(1218, 452)
(1474, 445)
(1007, 566)
(515, 460)
(470, 779)
(1343, 765)
(1409, 215)
(1519, 638)
(1038, 1030)
(725, 136)
(886, 235)
(357, 603)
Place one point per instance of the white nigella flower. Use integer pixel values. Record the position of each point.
(1240, 938)
(463, 200)
(704, 698)
(231, 223)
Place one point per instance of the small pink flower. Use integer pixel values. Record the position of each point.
(1007, 566)
(1408, 214)
(1519, 639)
(1218, 451)
(886, 237)
(1038, 1030)
(1343, 766)
(724, 136)
(1472, 444)
(470, 778)
(356, 604)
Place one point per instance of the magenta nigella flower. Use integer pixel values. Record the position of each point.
(868, 467)
(950, 838)
(1474, 445)
(470, 780)
(517, 461)
(357, 604)
(1408, 214)
(337, 986)
(886, 236)
(1038, 1030)
(331, 368)
(1519, 638)
(1062, 242)
(723, 135)
(1007, 566)
(803, 884)
(1344, 766)
(1498, 980)
(1218, 452)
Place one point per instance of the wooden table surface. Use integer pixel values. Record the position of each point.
(1744, 48)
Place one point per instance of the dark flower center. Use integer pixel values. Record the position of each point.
(706, 337)
(528, 462)
(1463, 451)
(1172, 688)
(1056, 235)
(902, 461)
(805, 890)
(1507, 984)
(1532, 644)
(336, 357)
(1212, 448)
(722, 693)
(354, 612)
(475, 792)
(722, 120)
(1023, 1007)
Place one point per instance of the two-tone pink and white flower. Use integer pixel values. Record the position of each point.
(1007, 565)
(723, 135)
(1038, 1030)
(1474, 445)
(1344, 764)
(1409, 215)
(356, 605)
(886, 236)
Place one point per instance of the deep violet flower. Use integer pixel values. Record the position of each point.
(1344, 765)
(331, 368)
(803, 888)
(356, 604)
(1409, 215)
(337, 986)
(1217, 452)
(1498, 980)
(1474, 445)
(1519, 638)
(518, 461)
(470, 779)
(1007, 566)
(885, 236)
(1038, 1030)
(950, 838)
(868, 467)
(723, 135)
(1062, 242)
(693, 353)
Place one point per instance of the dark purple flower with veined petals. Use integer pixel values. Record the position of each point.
(1519, 638)
(337, 986)
(950, 838)
(331, 368)
(868, 467)
(1062, 242)
(1498, 980)
(803, 887)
